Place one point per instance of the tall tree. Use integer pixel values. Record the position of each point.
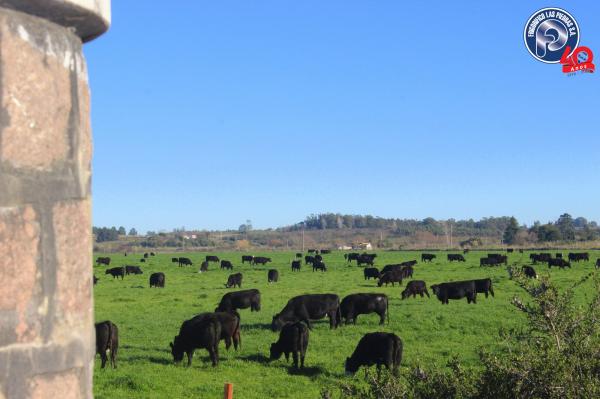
(566, 226)
(511, 231)
(133, 232)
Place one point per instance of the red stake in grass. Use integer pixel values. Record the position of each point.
(228, 394)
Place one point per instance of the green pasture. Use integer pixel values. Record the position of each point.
(149, 318)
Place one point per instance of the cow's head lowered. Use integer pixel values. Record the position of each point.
(176, 350)
(351, 366)
(277, 323)
(435, 288)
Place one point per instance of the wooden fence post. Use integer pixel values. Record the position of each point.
(228, 394)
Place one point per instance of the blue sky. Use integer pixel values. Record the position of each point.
(206, 114)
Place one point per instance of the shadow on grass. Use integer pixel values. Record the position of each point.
(256, 326)
(256, 358)
(311, 372)
(151, 359)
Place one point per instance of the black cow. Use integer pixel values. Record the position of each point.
(318, 258)
(325, 251)
(261, 260)
(318, 265)
(308, 259)
(197, 333)
(393, 277)
(576, 257)
(370, 272)
(407, 272)
(296, 264)
(101, 260)
(175, 260)
(133, 270)
(203, 267)
(391, 268)
(272, 276)
(298, 255)
(455, 290)
(233, 280)
(307, 307)
(352, 256)
(559, 262)
(366, 259)
(558, 255)
(225, 264)
(143, 260)
(456, 258)
(483, 286)
(230, 327)
(529, 272)
(355, 304)
(107, 339)
(293, 339)
(427, 257)
(466, 251)
(378, 349)
(95, 279)
(152, 254)
(493, 261)
(415, 287)
(185, 262)
(157, 280)
(116, 272)
(212, 258)
(510, 250)
(232, 301)
(542, 257)
(146, 255)
(247, 258)
(312, 251)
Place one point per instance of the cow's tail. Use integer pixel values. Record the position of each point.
(109, 340)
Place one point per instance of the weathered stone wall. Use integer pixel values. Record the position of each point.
(47, 341)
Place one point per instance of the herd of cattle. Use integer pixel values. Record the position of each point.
(293, 322)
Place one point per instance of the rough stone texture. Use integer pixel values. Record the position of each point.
(46, 309)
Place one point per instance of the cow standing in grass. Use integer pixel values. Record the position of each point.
(293, 339)
(378, 348)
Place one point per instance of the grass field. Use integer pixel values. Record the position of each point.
(148, 319)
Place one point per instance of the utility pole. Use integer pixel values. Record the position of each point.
(302, 237)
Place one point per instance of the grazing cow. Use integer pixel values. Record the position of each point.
(307, 307)
(529, 272)
(233, 280)
(107, 339)
(407, 272)
(225, 264)
(116, 272)
(185, 262)
(427, 257)
(230, 327)
(415, 287)
(272, 276)
(298, 255)
(293, 339)
(203, 267)
(175, 260)
(368, 259)
(101, 260)
(152, 254)
(377, 348)
(133, 270)
(318, 258)
(355, 304)
(483, 286)
(296, 264)
(351, 256)
(261, 260)
(558, 262)
(157, 280)
(393, 277)
(576, 257)
(318, 265)
(493, 261)
(146, 255)
(558, 255)
(212, 258)
(541, 257)
(510, 250)
(247, 258)
(456, 258)
(197, 333)
(95, 279)
(308, 259)
(325, 251)
(598, 263)
(370, 272)
(143, 260)
(312, 251)
(232, 301)
(455, 290)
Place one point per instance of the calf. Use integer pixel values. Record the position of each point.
(133, 270)
(107, 339)
(212, 258)
(247, 258)
(157, 280)
(232, 301)
(203, 267)
(378, 349)
(233, 280)
(296, 264)
(529, 271)
(427, 257)
(390, 277)
(455, 290)
(483, 286)
(415, 287)
(272, 276)
(293, 339)
(260, 260)
(307, 307)
(225, 264)
(559, 262)
(355, 304)
(318, 265)
(197, 333)
(370, 272)
(116, 272)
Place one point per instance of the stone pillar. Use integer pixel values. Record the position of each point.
(47, 341)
